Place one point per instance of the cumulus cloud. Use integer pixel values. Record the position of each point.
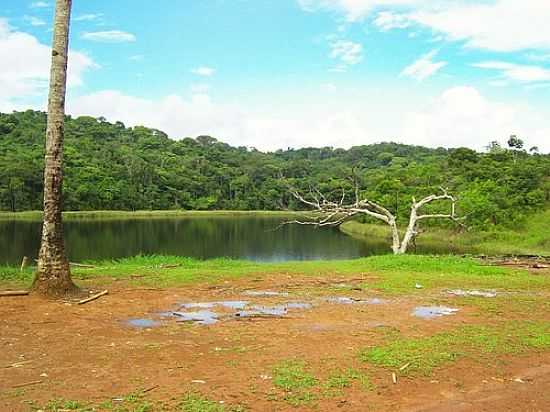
(39, 5)
(424, 67)
(355, 9)
(387, 20)
(517, 72)
(498, 25)
(463, 116)
(88, 17)
(24, 71)
(199, 114)
(346, 52)
(110, 36)
(203, 71)
(459, 116)
(34, 21)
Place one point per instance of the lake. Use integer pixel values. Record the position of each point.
(256, 238)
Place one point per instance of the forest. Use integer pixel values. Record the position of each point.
(109, 166)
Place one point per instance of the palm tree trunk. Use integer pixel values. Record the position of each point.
(53, 277)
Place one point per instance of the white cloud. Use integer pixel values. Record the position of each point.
(498, 25)
(346, 52)
(137, 57)
(387, 20)
(517, 72)
(424, 67)
(329, 87)
(240, 126)
(39, 5)
(539, 57)
(204, 71)
(462, 116)
(88, 17)
(355, 9)
(34, 21)
(24, 71)
(111, 36)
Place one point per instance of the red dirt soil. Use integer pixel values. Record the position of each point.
(89, 353)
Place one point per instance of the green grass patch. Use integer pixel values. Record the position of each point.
(146, 214)
(194, 402)
(338, 380)
(397, 274)
(425, 354)
(297, 383)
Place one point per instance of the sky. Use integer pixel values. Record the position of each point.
(273, 74)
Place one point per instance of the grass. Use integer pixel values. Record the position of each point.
(531, 239)
(146, 214)
(135, 402)
(194, 402)
(301, 387)
(394, 274)
(425, 354)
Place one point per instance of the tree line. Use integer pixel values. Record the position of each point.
(109, 166)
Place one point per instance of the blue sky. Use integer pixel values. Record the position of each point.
(293, 73)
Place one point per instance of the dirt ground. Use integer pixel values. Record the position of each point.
(51, 350)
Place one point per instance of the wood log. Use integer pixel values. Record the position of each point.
(93, 297)
(14, 293)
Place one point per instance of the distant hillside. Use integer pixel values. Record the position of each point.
(112, 167)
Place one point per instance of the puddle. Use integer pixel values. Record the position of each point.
(201, 317)
(475, 293)
(298, 305)
(143, 323)
(431, 312)
(343, 300)
(275, 311)
(229, 304)
(265, 293)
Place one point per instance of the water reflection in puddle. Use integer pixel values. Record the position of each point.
(275, 311)
(143, 323)
(431, 312)
(201, 317)
(343, 300)
(229, 304)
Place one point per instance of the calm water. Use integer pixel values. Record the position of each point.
(255, 238)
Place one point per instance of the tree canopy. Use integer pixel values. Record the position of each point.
(112, 167)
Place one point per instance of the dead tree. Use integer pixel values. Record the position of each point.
(334, 213)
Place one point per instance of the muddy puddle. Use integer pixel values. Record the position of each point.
(432, 312)
(209, 313)
(344, 300)
(143, 323)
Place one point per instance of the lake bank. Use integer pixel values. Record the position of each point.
(533, 238)
(147, 214)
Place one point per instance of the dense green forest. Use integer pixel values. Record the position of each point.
(112, 167)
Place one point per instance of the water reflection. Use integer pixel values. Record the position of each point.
(243, 237)
(254, 238)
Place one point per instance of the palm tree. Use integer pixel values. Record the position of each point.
(53, 277)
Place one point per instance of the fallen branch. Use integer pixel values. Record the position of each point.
(152, 388)
(17, 364)
(14, 293)
(81, 265)
(94, 297)
(78, 265)
(22, 385)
